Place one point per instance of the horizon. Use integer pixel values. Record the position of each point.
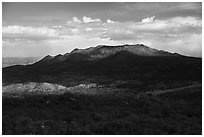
(94, 47)
(40, 29)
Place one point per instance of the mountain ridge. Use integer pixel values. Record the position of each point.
(103, 51)
(138, 49)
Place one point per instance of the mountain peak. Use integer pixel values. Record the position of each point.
(48, 57)
(75, 50)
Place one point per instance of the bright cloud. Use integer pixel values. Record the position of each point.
(89, 20)
(75, 19)
(109, 21)
(148, 20)
(84, 19)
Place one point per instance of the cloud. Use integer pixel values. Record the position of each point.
(177, 34)
(84, 19)
(75, 19)
(89, 29)
(190, 21)
(63, 46)
(180, 34)
(57, 26)
(170, 27)
(90, 20)
(75, 31)
(28, 32)
(148, 20)
(186, 44)
(109, 21)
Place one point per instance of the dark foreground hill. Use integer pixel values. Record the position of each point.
(137, 64)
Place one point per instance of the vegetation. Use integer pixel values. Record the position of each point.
(170, 113)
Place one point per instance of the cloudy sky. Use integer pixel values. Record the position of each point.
(39, 29)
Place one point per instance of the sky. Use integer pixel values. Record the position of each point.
(40, 29)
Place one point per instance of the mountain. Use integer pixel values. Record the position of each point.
(103, 51)
(138, 49)
(107, 65)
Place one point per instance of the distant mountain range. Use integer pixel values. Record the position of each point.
(11, 61)
(141, 65)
